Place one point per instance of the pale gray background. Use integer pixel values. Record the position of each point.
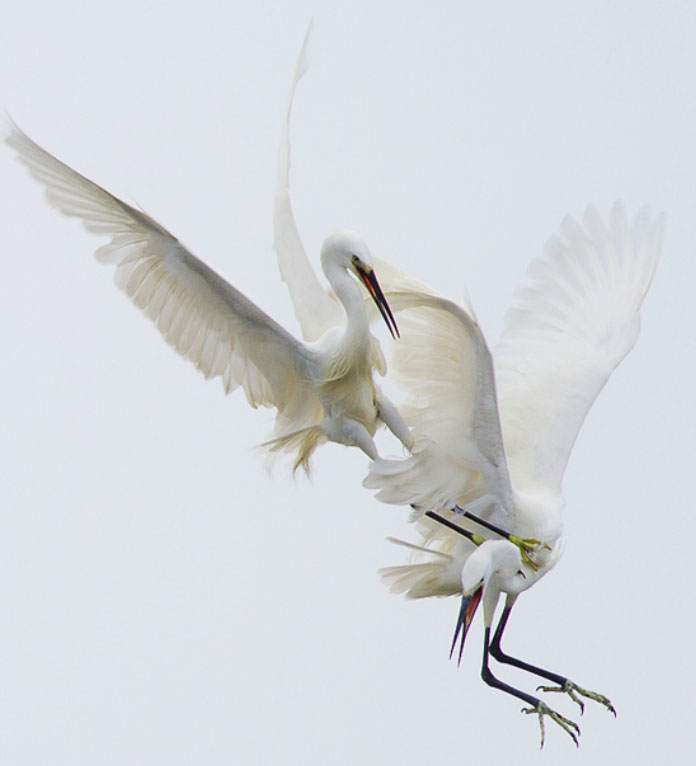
(162, 599)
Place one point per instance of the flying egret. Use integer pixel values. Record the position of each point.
(493, 434)
(323, 390)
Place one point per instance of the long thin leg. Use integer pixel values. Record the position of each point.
(500, 655)
(463, 512)
(564, 684)
(537, 706)
(475, 539)
(527, 546)
(460, 511)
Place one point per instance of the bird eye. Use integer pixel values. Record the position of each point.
(521, 574)
(355, 259)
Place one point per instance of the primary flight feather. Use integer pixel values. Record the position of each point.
(322, 390)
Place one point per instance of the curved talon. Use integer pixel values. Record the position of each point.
(565, 723)
(570, 689)
(528, 546)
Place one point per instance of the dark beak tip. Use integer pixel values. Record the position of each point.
(370, 280)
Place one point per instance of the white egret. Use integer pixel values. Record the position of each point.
(322, 390)
(493, 434)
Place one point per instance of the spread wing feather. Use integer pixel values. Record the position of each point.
(205, 318)
(573, 320)
(443, 363)
(315, 308)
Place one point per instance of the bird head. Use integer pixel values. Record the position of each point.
(494, 567)
(494, 563)
(349, 250)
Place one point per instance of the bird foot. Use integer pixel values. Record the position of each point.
(573, 690)
(528, 547)
(570, 727)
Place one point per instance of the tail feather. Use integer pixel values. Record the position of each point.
(417, 580)
(303, 442)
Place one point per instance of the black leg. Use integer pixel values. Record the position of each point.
(564, 684)
(500, 655)
(482, 522)
(491, 680)
(536, 705)
(527, 546)
(475, 539)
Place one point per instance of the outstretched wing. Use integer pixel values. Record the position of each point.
(315, 308)
(443, 363)
(206, 319)
(574, 319)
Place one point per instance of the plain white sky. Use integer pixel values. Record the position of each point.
(162, 598)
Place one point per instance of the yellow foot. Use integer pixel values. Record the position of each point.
(528, 547)
(572, 690)
(570, 727)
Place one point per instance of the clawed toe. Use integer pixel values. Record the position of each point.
(570, 727)
(572, 690)
(528, 547)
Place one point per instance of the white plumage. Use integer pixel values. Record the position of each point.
(501, 426)
(316, 309)
(322, 390)
(493, 433)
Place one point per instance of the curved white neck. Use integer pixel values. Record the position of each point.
(350, 295)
